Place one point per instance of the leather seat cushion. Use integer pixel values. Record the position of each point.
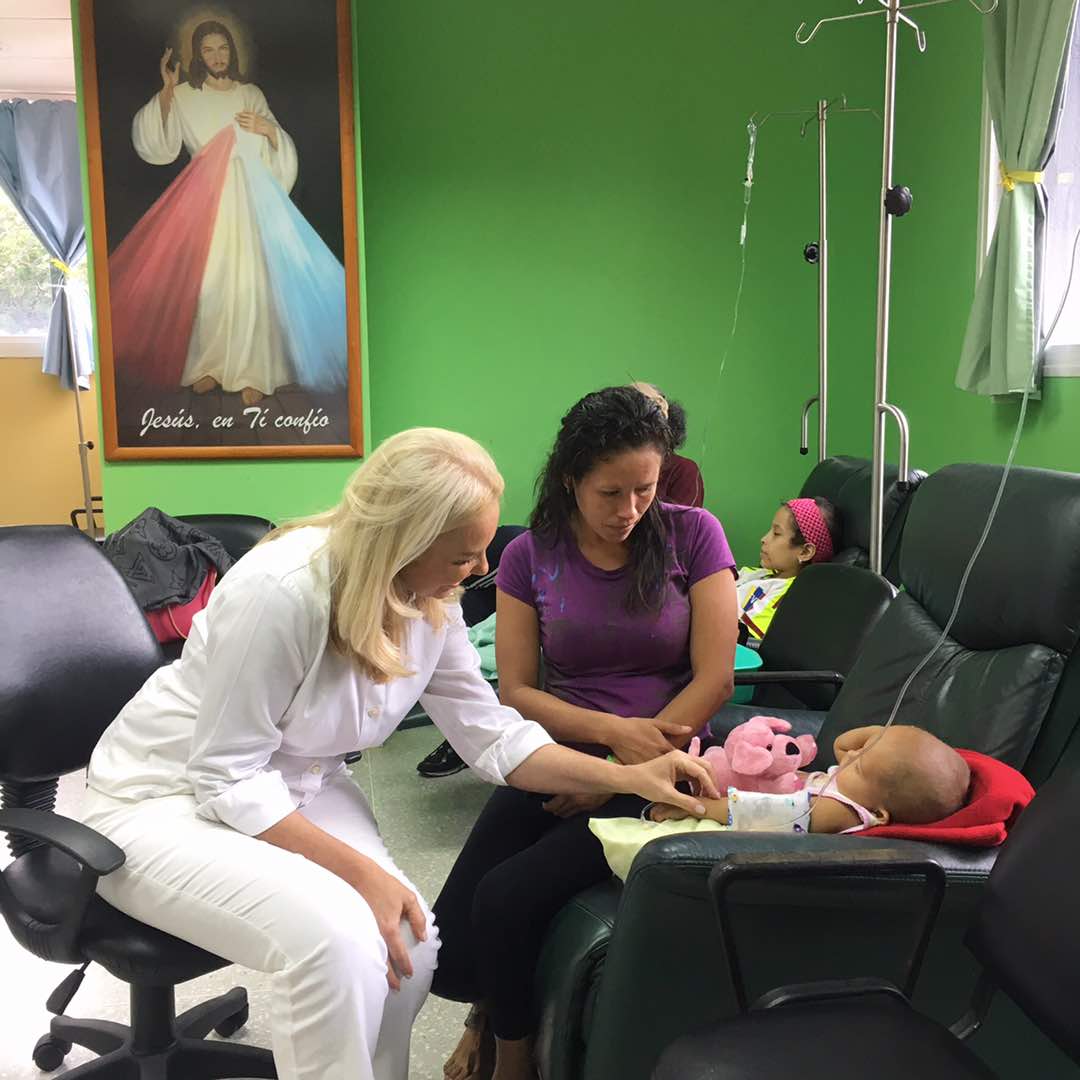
(876, 1035)
(137, 953)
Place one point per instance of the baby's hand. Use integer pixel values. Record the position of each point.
(667, 812)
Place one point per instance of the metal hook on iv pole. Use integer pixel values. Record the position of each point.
(804, 441)
(804, 38)
(822, 112)
(920, 37)
(821, 22)
(897, 414)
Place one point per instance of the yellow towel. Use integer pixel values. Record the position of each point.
(623, 838)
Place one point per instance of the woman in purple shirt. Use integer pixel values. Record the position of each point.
(616, 631)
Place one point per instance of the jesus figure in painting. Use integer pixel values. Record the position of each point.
(223, 282)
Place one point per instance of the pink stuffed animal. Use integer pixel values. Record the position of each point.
(758, 756)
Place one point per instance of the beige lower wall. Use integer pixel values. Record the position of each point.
(40, 478)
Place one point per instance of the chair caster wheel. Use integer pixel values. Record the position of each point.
(49, 1053)
(232, 1024)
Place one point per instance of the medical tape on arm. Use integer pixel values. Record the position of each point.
(761, 811)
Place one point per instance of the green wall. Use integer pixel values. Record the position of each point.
(552, 197)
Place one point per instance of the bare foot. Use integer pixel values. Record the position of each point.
(250, 396)
(514, 1060)
(205, 384)
(474, 1056)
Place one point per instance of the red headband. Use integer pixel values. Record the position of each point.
(811, 522)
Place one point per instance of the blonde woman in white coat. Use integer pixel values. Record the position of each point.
(223, 779)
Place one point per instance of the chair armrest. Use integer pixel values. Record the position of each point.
(852, 863)
(700, 851)
(87, 847)
(44, 899)
(759, 677)
(826, 990)
(847, 861)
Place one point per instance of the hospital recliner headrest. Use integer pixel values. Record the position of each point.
(845, 482)
(994, 684)
(1025, 585)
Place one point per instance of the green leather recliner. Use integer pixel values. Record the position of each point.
(626, 970)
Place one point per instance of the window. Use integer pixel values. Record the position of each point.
(26, 293)
(1061, 183)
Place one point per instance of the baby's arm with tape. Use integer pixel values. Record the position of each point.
(715, 810)
(762, 812)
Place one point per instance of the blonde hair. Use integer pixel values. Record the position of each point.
(651, 392)
(414, 487)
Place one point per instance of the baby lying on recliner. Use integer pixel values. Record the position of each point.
(900, 774)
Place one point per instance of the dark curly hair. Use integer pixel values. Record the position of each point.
(676, 418)
(676, 414)
(600, 426)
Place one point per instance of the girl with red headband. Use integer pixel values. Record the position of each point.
(803, 531)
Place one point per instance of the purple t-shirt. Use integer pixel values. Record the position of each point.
(597, 655)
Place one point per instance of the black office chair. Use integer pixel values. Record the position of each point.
(75, 649)
(1023, 935)
(238, 533)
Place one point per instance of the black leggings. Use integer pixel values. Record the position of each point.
(518, 868)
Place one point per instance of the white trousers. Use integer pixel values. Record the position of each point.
(334, 1015)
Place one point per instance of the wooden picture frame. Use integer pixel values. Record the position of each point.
(222, 329)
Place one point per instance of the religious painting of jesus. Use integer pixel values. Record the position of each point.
(221, 153)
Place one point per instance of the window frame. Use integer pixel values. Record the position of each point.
(22, 346)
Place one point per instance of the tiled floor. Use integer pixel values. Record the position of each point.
(424, 823)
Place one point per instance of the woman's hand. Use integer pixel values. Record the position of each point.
(655, 780)
(637, 739)
(391, 903)
(566, 806)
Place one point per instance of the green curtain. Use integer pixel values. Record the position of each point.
(1026, 49)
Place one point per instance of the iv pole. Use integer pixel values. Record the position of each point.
(894, 202)
(819, 254)
(822, 396)
(84, 444)
(823, 292)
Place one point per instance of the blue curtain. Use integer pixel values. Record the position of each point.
(40, 171)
